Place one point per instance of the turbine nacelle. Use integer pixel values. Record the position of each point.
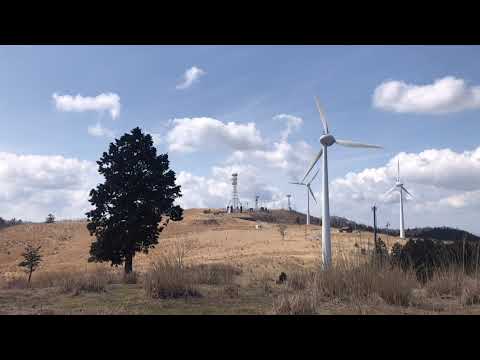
(327, 140)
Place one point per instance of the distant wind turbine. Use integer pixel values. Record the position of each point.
(327, 140)
(309, 191)
(399, 186)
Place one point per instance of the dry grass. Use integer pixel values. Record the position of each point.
(298, 280)
(213, 274)
(170, 277)
(68, 281)
(131, 278)
(231, 291)
(296, 304)
(448, 282)
(167, 280)
(470, 292)
(345, 283)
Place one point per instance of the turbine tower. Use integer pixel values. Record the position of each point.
(309, 191)
(399, 186)
(327, 140)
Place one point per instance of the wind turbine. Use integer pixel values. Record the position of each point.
(399, 186)
(309, 191)
(327, 140)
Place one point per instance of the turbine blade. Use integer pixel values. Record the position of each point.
(398, 170)
(311, 192)
(407, 191)
(390, 191)
(355, 144)
(296, 183)
(314, 176)
(322, 116)
(313, 164)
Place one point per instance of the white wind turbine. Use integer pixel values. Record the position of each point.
(399, 186)
(309, 191)
(327, 140)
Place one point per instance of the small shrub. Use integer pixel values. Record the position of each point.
(232, 291)
(381, 256)
(282, 278)
(396, 254)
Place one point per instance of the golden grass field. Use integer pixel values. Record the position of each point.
(66, 283)
(221, 238)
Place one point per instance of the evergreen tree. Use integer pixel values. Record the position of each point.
(31, 260)
(139, 189)
(50, 219)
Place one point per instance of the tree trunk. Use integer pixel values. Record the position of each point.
(30, 275)
(128, 264)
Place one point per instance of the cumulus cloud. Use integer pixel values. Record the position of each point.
(445, 95)
(99, 131)
(190, 76)
(216, 189)
(443, 182)
(104, 102)
(193, 134)
(32, 186)
(291, 158)
(292, 122)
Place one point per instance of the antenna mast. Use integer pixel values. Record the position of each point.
(235, 201)
(289, 207)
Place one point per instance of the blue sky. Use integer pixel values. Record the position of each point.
(247, 84)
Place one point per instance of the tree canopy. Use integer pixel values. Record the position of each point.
(139, 189)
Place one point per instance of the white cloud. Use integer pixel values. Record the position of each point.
(31, 186)
(103, 102)
(291, 158)
(99, 131)
(190, 76)
(193, 134)
(445, 95)
(444, 184)
(293, 123)
(216, 189)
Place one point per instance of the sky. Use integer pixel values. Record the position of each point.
(248, 109)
